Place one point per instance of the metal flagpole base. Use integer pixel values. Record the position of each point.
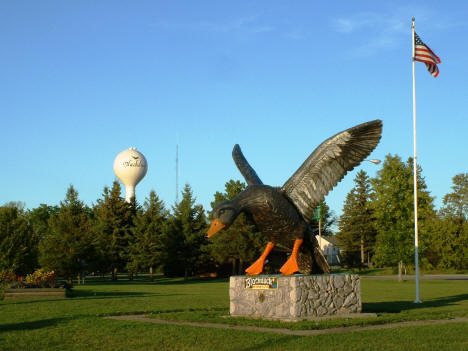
(417, 301)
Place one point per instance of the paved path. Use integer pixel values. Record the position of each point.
(142, 318)
(421, 277)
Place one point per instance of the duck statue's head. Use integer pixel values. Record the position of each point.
(224, 214)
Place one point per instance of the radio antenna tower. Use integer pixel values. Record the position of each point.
(177, 174)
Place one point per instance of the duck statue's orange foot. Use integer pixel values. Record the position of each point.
(258, 265)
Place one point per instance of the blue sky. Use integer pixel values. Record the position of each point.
(84, 80)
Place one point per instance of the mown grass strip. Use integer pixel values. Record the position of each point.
(140, 318)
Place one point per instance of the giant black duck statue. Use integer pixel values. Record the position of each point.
(284, 214)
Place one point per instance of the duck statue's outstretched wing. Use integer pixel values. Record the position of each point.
(244, 167)
(328, 164)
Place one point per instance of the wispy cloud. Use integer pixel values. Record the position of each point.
(384, 31)
(355, 22)
(394, 20)
(374, 45)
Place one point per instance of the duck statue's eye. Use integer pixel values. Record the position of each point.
(221, 211)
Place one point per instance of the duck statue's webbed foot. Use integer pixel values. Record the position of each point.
(257, 267)
(291, 266)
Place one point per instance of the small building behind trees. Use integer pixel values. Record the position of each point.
(330, 248)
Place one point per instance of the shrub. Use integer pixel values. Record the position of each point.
(8, 279)
(41, 278)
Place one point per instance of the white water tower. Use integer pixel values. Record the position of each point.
(130, 167)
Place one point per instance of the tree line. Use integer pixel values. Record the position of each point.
(377, 224)
(116, 236)
(112, 236)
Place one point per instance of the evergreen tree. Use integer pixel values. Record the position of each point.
(148, 248)
(241, 243)
(356, 225)
(451, 238)
(18, 244)
(186, 237)
(394, 211)
(113, 229)
(68, 242)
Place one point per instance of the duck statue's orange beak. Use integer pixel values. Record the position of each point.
(216, 226)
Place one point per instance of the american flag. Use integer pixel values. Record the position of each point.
(423, 53)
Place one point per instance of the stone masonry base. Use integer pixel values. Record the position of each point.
(295, 297)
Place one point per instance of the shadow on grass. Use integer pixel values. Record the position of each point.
(158, 280)
(365, 271)
(96, 295)
(43, 323)
(172, 281)
(398, 306)
(26, 301)
(91, 294)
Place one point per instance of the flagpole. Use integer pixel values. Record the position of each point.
(415, 178)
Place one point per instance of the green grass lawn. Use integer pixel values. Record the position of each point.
(75, 323)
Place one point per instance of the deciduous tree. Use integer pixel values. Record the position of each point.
(451, 236)
(394, 211)
(39, 219)
(18, 244)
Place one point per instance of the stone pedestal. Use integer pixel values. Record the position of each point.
(295, 297)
